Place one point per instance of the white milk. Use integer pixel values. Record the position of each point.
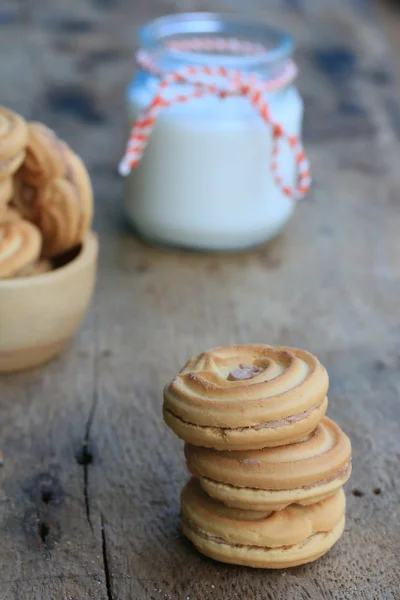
(204, 180)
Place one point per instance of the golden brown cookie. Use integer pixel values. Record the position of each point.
(46, 155)
(57, 217)
(272, 478)
(269, 540)
(20, 244)
(13, 139)
(247, 397)
(78, 176)
(37, 268)
(61, 207)
(26, 198)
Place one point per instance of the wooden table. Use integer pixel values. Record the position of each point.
(89, 491)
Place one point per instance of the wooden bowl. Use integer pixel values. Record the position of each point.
(41, 313)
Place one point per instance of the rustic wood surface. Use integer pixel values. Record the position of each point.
(89, 490)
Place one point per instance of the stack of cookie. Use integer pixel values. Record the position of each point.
(268, 467)
(46, 198)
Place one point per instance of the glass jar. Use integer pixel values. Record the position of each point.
(204, 180)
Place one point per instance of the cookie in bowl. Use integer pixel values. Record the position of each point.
(247, 397)
(45, 155)
(65, 209)
(60, 205)
(13, 139)
(20, 245)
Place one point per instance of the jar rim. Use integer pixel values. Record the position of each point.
(279, 44)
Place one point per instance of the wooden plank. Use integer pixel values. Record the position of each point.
(50, 549)
(330, 284)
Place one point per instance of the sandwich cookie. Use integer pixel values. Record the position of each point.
(247, 397)
(20, 244)
(13, 139)
(268, 540)
(270, 479)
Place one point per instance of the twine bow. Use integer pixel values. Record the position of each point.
(202, 79)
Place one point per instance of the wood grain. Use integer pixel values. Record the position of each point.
(89, 491)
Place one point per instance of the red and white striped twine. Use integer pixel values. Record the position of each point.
(235, 83)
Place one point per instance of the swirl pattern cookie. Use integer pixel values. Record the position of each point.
(46, 155)
(62, 207)
(272, 478)
(26, 199)
(269, 540)
(13, 139)
(20, 244)
(247, 397)
(79, 178)
(57, 217)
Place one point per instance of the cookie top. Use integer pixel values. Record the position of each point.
(292, 525)
(247, 386)
(318, 457)
(20, 244)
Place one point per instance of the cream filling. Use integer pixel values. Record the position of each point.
(340, 474)
(218, 540)
(287, 421)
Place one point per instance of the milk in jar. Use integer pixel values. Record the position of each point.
(204, 180)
